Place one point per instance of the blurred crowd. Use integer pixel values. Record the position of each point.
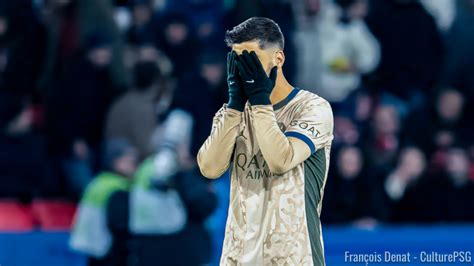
(404, 146)
(76, 75)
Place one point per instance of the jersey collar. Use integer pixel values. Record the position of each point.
(288, 98)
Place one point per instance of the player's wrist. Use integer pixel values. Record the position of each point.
(237, 97)
(236, 104)
(262, 98)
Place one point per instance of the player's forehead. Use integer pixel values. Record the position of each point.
(249, 46)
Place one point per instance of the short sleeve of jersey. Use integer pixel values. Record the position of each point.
(312, 123)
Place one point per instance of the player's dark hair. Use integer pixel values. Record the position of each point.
(264, 30)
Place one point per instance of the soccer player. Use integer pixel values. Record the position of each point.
(276, 139)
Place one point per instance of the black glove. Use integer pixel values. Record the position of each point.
(257, 85)
(237, 96)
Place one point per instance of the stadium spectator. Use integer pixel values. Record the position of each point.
(348, 49)
(358, 107)
(348, 193)
(135, 115)
(440, 196)
(24, 166)
(443, 125)
(76, 110)
(206, 16)
(412, 51)
(346, 131)
(192, 239)
(169, 202)
(458, 188)
(61, 20)
(353, 119)
(101, 225)
(20, 62)
(177, 40)
(144, 24)
(202, 94)
(381, 142)
(459, 65)
(307, 43)
(70, 23)
(406, 190)
(443, 11)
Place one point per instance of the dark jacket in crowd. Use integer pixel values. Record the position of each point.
(346, 200)
(77, 106)
(117, 222)
(434, 198)
(24, 171)
(459, 64)
(418, 203)
(147, 33)
(459, 67)
(423, 126)
(196, 96)
(411, 46)
(456, 200)
(22, 61)
(184, 54)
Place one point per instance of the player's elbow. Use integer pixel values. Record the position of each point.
(209, 168)
(209, 172)
(278, 168)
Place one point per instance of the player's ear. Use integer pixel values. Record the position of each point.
(279, 58)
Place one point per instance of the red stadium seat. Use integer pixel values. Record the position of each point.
(15, 216)
(53, 215)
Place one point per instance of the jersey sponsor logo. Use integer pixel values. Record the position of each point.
(309, 128)
(252, 167)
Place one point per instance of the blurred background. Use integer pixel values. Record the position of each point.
(96, 88)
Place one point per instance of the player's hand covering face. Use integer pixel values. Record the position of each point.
(237, 96)
(257, 85)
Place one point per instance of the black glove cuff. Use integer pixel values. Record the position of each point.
(236, 104)
(260, 99)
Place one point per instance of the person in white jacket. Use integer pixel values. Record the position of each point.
(348, 48)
